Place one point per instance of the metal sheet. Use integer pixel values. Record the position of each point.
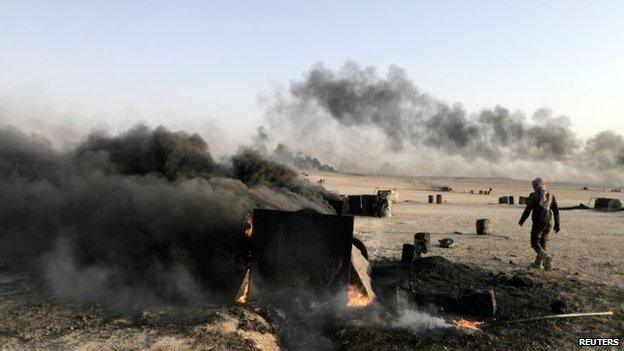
(300, 252)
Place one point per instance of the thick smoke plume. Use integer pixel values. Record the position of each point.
(283, 154)
(143, 217)
(391, 116)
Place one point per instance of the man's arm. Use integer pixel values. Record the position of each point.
(527, 210)
(555, 209)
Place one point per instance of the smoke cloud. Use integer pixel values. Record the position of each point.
(415, 320)
(151, 213)
(355, 111)
(283, 154)
(142, 217)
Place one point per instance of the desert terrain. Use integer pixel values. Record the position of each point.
(588, 246)
(588, 276)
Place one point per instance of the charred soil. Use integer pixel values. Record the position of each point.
(525, 294)
(33, 321)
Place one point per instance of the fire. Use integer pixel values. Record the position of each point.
(357, 298)
(243, 292)
(249, 225)
(244, 297)
(466, 324)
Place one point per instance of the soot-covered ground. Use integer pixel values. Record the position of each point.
(525, 294)
(32, 320)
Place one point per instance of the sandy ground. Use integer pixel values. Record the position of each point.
(589, 245)
(588, 274)
(32, 321)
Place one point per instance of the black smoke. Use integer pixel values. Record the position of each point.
(410, 119)
(301, 161)
(253, 169)
(284, 155)
(141, 151)
(143, 217)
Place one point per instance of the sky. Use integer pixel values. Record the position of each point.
(215, 61)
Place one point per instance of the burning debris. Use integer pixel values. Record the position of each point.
(302, 254)
(357, 296)
(478, 326)
(242, 296)
(468, 325)
(249, 225)
(144, 217)
(360, 289)
(150, 217)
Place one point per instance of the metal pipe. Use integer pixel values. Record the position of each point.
(552, 316)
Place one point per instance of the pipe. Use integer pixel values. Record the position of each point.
(552, 316)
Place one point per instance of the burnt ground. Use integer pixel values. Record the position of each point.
(31, 320)
(525, 294)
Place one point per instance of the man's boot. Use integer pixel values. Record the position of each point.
(538, 262)
(547, 262)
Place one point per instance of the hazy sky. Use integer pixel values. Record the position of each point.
(212, 59)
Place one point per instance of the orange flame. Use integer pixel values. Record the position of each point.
(466, 324)
(357, 298)
(243, 292)
(244, 297)
(249, 225)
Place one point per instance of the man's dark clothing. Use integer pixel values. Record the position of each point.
(539, 236)
(542, 220)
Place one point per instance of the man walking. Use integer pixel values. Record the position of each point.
(543, 205)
